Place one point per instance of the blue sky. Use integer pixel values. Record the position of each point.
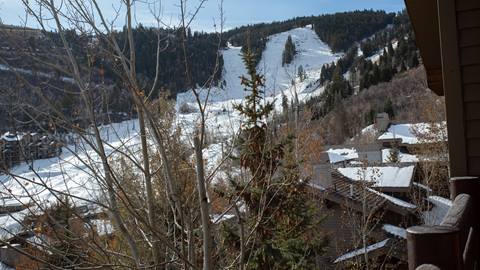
(237, 12)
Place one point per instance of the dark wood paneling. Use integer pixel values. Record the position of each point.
(471, 92)
(473, 146)
(469, 37)
(473, 129)
(471, 74)
(427, 37)
(474, 166)
(435, 81)
(470, 55)
(465, 5)
(472, 110)
(452, 82)
(468, 18)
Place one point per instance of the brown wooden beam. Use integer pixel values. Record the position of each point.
(452, 84)
(439, 245)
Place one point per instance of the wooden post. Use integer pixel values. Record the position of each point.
(438, 245)
(471, 186)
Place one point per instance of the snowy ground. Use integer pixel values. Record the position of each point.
(71, 173)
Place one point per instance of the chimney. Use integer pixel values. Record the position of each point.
(322, 175)
(371, 153)
(382, 121)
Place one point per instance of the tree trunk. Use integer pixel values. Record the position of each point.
(204, 211)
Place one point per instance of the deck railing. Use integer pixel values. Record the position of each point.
(454, 244)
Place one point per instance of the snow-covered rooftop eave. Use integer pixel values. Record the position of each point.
(361, 251)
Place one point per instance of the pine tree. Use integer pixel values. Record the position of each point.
(284, 228)
(388, 108)
(284, 103)
(254, 109)
(394, 155)
(288, 52)
(301, 73)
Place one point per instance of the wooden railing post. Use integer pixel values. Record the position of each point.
(470, 185)
(427, 267)
(438, 245)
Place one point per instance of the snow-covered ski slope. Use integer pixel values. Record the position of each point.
(311, 54)
(222, 120)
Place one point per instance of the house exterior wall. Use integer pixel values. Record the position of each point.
(460, 53)
(468, 35)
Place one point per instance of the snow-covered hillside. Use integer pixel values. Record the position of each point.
(222, 121)
(72, 172)
(311, 54)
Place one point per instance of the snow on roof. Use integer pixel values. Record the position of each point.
(341, 154)
(313, 185)
(369, 129)
(438, 211)
(389, 176)
(5, 267)
(216, 218)
(402, 157)
(102, 226)
(10, 224)
(12, 137)
(406, 132)
(40, 241)
(395, 231)
(422, 186)
(361, 251)
(394, 200)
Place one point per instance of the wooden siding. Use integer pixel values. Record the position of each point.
(468, 18)
(468, 5)
(468, 27)
(425, 24)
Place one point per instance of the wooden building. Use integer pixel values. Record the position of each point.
(342, 201)
(448, 36)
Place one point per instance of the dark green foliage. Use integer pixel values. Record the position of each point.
(388, 108)
(344, 64)
(340, 30)
(254, 109)
(368, 49)
(285, 232)
(394, 155)
(288, 52)
(284, 103)
(301, 73)
(202, 50)
(255, 37)
(335, 91)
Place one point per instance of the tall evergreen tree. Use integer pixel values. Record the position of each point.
(277, 201)
(288, 52)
